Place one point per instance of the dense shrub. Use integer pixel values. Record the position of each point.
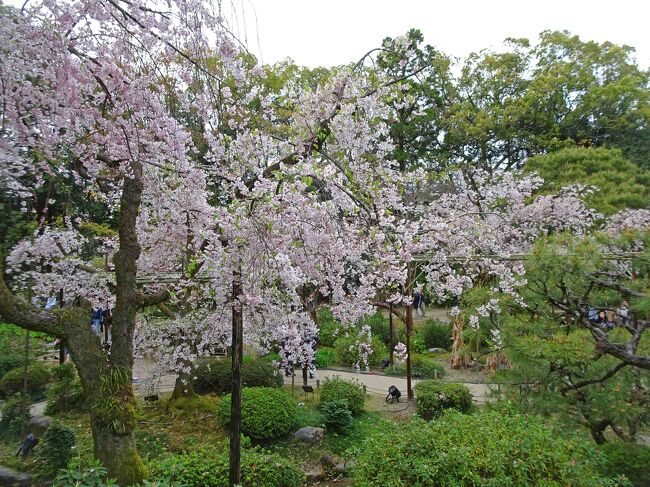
(267, 412)
(347, 350)
(352, 392)
(421, 368)
(436, 334)
(337, 415)
(325, 357)
(11, 415)
(328, 327)
(38, 375)
(214, 375)
(380, 327)
(210, 469)
(66, 393)
(433, 397)
(9, 362)
(628, 459)
(486, 449)
(55, 448)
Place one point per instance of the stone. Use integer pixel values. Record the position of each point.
(643, 440)
(340, 467)
(314, 474)
(436, 350)
(328, 461)
(38, 424)
(11, 478)
(309, 434)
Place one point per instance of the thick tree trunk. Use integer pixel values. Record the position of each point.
(409, 329)
(184, 386)
(236, 396)
(391, 330)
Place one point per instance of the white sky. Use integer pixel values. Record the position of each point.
(330, 32)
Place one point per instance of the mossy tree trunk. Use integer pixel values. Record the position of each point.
(105, 376)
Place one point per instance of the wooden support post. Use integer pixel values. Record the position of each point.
(236, 396)
(317, 384)
(410, 282)
(391, 331)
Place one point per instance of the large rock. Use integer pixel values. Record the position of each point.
(314, 474)
(436, 350)
(310, 434)
(38, 424)
(11, 478)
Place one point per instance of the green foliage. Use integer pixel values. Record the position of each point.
(11, 415)
(347, 350)
(486, 449)
(328, 327)
(55, 448)
(9, 362)
(337, 415)
(215, 375)
(628, 459)
(619, 183)
(65, 394)
(75, 475)
(192, 403)
(209, 468)
(432, 398)
(325, 357)
(422, 367)
(267, 412)
(38, 375)
(380, 327)
(435, 334)
(334, 389)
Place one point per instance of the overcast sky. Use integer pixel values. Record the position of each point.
(329, 32)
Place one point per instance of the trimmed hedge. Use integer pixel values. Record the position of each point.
(485, 449)
(324, 357)
(267, 412)
(335, 389)
(337, 415)
(433, 397)
(38, 375)
(215, 376)
(210, 469)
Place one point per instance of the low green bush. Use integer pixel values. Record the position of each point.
(433, 397)
(38, 375)
(11, 415)
(325, 357)
(337, 415)
(347, 350)
(334, 389)
(208, 468)
(267, 412)
(9, 362)
(435, 334)
(485, 449)
(215, 376)
(55, 448)
(328, 327)
(628, 459)
(421, 368)
(94, 475)
(66, 393)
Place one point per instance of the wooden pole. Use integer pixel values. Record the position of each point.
(391, 331)
(409, 328)
(25, 403)
(236, 396)
(62, 354)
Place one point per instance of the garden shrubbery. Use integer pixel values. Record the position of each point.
(335, 389)
(209, 468)
(9, 362)
(628, 459)
(11, 416)
(38, 375)
(66, 393)
(324, 357)
(215, 375)
(485, 449)
(433, 397)
(267, 412)
(347, 350)
(435, 334)
(55, 448)
(421, 368)
(337, 415)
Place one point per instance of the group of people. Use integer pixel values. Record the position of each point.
(607, 318)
